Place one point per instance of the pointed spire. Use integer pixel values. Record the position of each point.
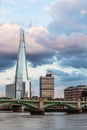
(21, 77)
(22, 35)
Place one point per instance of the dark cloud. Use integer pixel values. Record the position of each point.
(40, 59)
(75, 62)
(67, 79)
(71, 50)
(7, 61)
(73, 56)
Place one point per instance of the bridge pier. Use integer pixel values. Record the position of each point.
(79, 105)
(40, 110)
(18, 108)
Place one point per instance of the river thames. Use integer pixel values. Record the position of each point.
(51, 121)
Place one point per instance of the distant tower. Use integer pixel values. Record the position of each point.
(47, 86)
(22, 88)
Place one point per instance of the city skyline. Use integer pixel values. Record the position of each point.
(55, 38)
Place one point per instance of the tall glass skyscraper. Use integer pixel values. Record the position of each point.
(22, 88)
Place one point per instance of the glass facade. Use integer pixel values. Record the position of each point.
(21, 70)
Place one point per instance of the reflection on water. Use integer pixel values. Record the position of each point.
(51, 121)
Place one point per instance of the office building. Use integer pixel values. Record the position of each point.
(47, 86)
(10, 90)
(76, 93)
(21, 87)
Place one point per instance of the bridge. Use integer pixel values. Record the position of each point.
(40, 104)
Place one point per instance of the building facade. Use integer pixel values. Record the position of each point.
(76, 93)
(10, 90)
(47, 86)
(22, 85)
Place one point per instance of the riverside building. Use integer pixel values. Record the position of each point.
(47, 86)
(75, 93)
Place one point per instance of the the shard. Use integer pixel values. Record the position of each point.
(22, 88)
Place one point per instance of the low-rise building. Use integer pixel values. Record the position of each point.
(75, 93)
(10, 90)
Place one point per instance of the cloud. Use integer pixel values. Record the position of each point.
(83, 12)
(39, 38)
(29, 0)
(2, 90)
(64, 76)
(68, 16)
(71, 49)
(7, 61)
(42, 47)
(8, 45)
(5, 11)
(7, 76)
(37, 45)
(59, 91)
(71, 77)
(13, 2)
(7, 1)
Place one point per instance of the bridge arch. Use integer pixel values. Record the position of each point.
(22, 103)
(60, 104)
(29, 104)
(84, 105)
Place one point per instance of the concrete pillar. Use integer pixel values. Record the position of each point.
(79, 105)
(41, 108)
(41, 104)
(18, 108)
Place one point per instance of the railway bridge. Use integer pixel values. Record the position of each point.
(40, 104)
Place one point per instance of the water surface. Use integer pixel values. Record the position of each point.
(51, 121)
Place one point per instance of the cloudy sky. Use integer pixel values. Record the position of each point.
(56, 40)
